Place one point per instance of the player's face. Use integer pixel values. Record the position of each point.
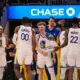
(1, 30)
(41, 28)
(51, 22)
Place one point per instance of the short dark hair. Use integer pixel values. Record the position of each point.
(41, 23)
(75, 20)
(51, 18)
(25, 20)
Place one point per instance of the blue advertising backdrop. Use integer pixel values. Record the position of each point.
(44, 12)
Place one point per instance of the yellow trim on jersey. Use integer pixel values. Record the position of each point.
(25, 73)
(45, 77)
(58, 57)
(58, 66)
(77, 74)
(15, 59)
(22, 67)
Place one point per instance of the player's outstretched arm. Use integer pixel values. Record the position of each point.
(66, 39)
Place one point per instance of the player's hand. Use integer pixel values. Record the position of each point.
(11, 54)
(56, 48)
(35, 57)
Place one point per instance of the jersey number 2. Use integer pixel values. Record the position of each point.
(74, 39)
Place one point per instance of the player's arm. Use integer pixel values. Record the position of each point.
(16, 29)
(65, 41)
(14, 39)
(12, 54)
(34, 45)
(37, 48)
(54, 53)
(15, 36)
(33, 39)
(6, 41)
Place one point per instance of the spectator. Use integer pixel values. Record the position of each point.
(9, 71)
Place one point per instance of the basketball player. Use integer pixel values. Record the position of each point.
(73, 41)
(3, 44)
(44, 49)
(54, 32)
(64, 51)
(24, 46)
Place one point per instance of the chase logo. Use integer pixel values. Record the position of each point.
(52, 12)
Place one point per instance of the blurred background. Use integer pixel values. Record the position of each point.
(9, 25)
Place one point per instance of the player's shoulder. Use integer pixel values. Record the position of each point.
(37, 35)
(20, 27)
(72, 29)
(15, 35)
(25, 27)
(78, 29)
(56, 28)
(67, 30)
(62, 32)
(57, 31)
(33, 30)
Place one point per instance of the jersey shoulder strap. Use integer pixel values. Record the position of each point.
(38, 36)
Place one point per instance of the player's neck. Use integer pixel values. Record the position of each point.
(50, 27)
(43, 33)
